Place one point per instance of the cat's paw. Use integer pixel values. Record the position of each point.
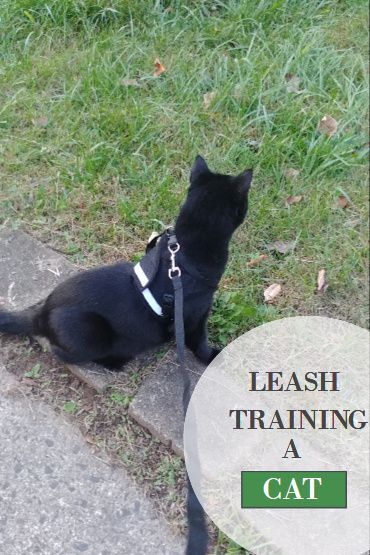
(214, 352)
(207, 355)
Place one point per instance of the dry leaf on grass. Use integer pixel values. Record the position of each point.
(291, 173)
(293, 199)
(207, 99)
(90, 439)
(131, 83)
(281, 246)
(254, 144)
(153, 235)
(342, 202)
(328, 126)
(159, 68)
(322, 284)
(272, 292)
(292, 83)
(255, 261)
(42, 121)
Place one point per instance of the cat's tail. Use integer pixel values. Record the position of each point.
(21, 322)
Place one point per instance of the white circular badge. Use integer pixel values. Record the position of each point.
(276, 438)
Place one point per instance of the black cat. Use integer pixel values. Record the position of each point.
(113, 313)
(104, 315)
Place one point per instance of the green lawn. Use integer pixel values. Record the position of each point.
(91, 163)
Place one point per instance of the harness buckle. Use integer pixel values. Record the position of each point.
(173, 247)
(174, 272)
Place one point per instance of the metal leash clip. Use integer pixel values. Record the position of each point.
(174, 271)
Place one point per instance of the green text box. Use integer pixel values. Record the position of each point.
(294, 490)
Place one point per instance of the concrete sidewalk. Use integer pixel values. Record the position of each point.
(58, 498)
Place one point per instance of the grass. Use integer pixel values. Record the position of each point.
(91, 165)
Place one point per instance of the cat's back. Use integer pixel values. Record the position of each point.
(97, 286)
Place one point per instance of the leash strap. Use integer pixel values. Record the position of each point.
(197, 536)
(174, 273)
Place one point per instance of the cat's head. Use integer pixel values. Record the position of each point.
(218, 198)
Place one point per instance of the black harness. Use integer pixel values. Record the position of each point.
(153, 274)
(164, 254)
(149, 270)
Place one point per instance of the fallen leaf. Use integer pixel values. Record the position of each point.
(131, 83)
(255, 261)
(159, 68)
(293, 199)
(272, 292)
(292, 83)
(42, 121)
(153, 235)
(207, 98)
(322, 284)
(90, 439)
(328, 126)
(281, 246)
(254, 144)
(342, 201)
(291, 173)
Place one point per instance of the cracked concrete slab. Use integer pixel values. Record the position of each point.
(58, 497)
(158, 404)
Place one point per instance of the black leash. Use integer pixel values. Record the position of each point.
(197, 533)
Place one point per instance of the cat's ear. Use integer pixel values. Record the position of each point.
(199, 167)
(244, 181)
